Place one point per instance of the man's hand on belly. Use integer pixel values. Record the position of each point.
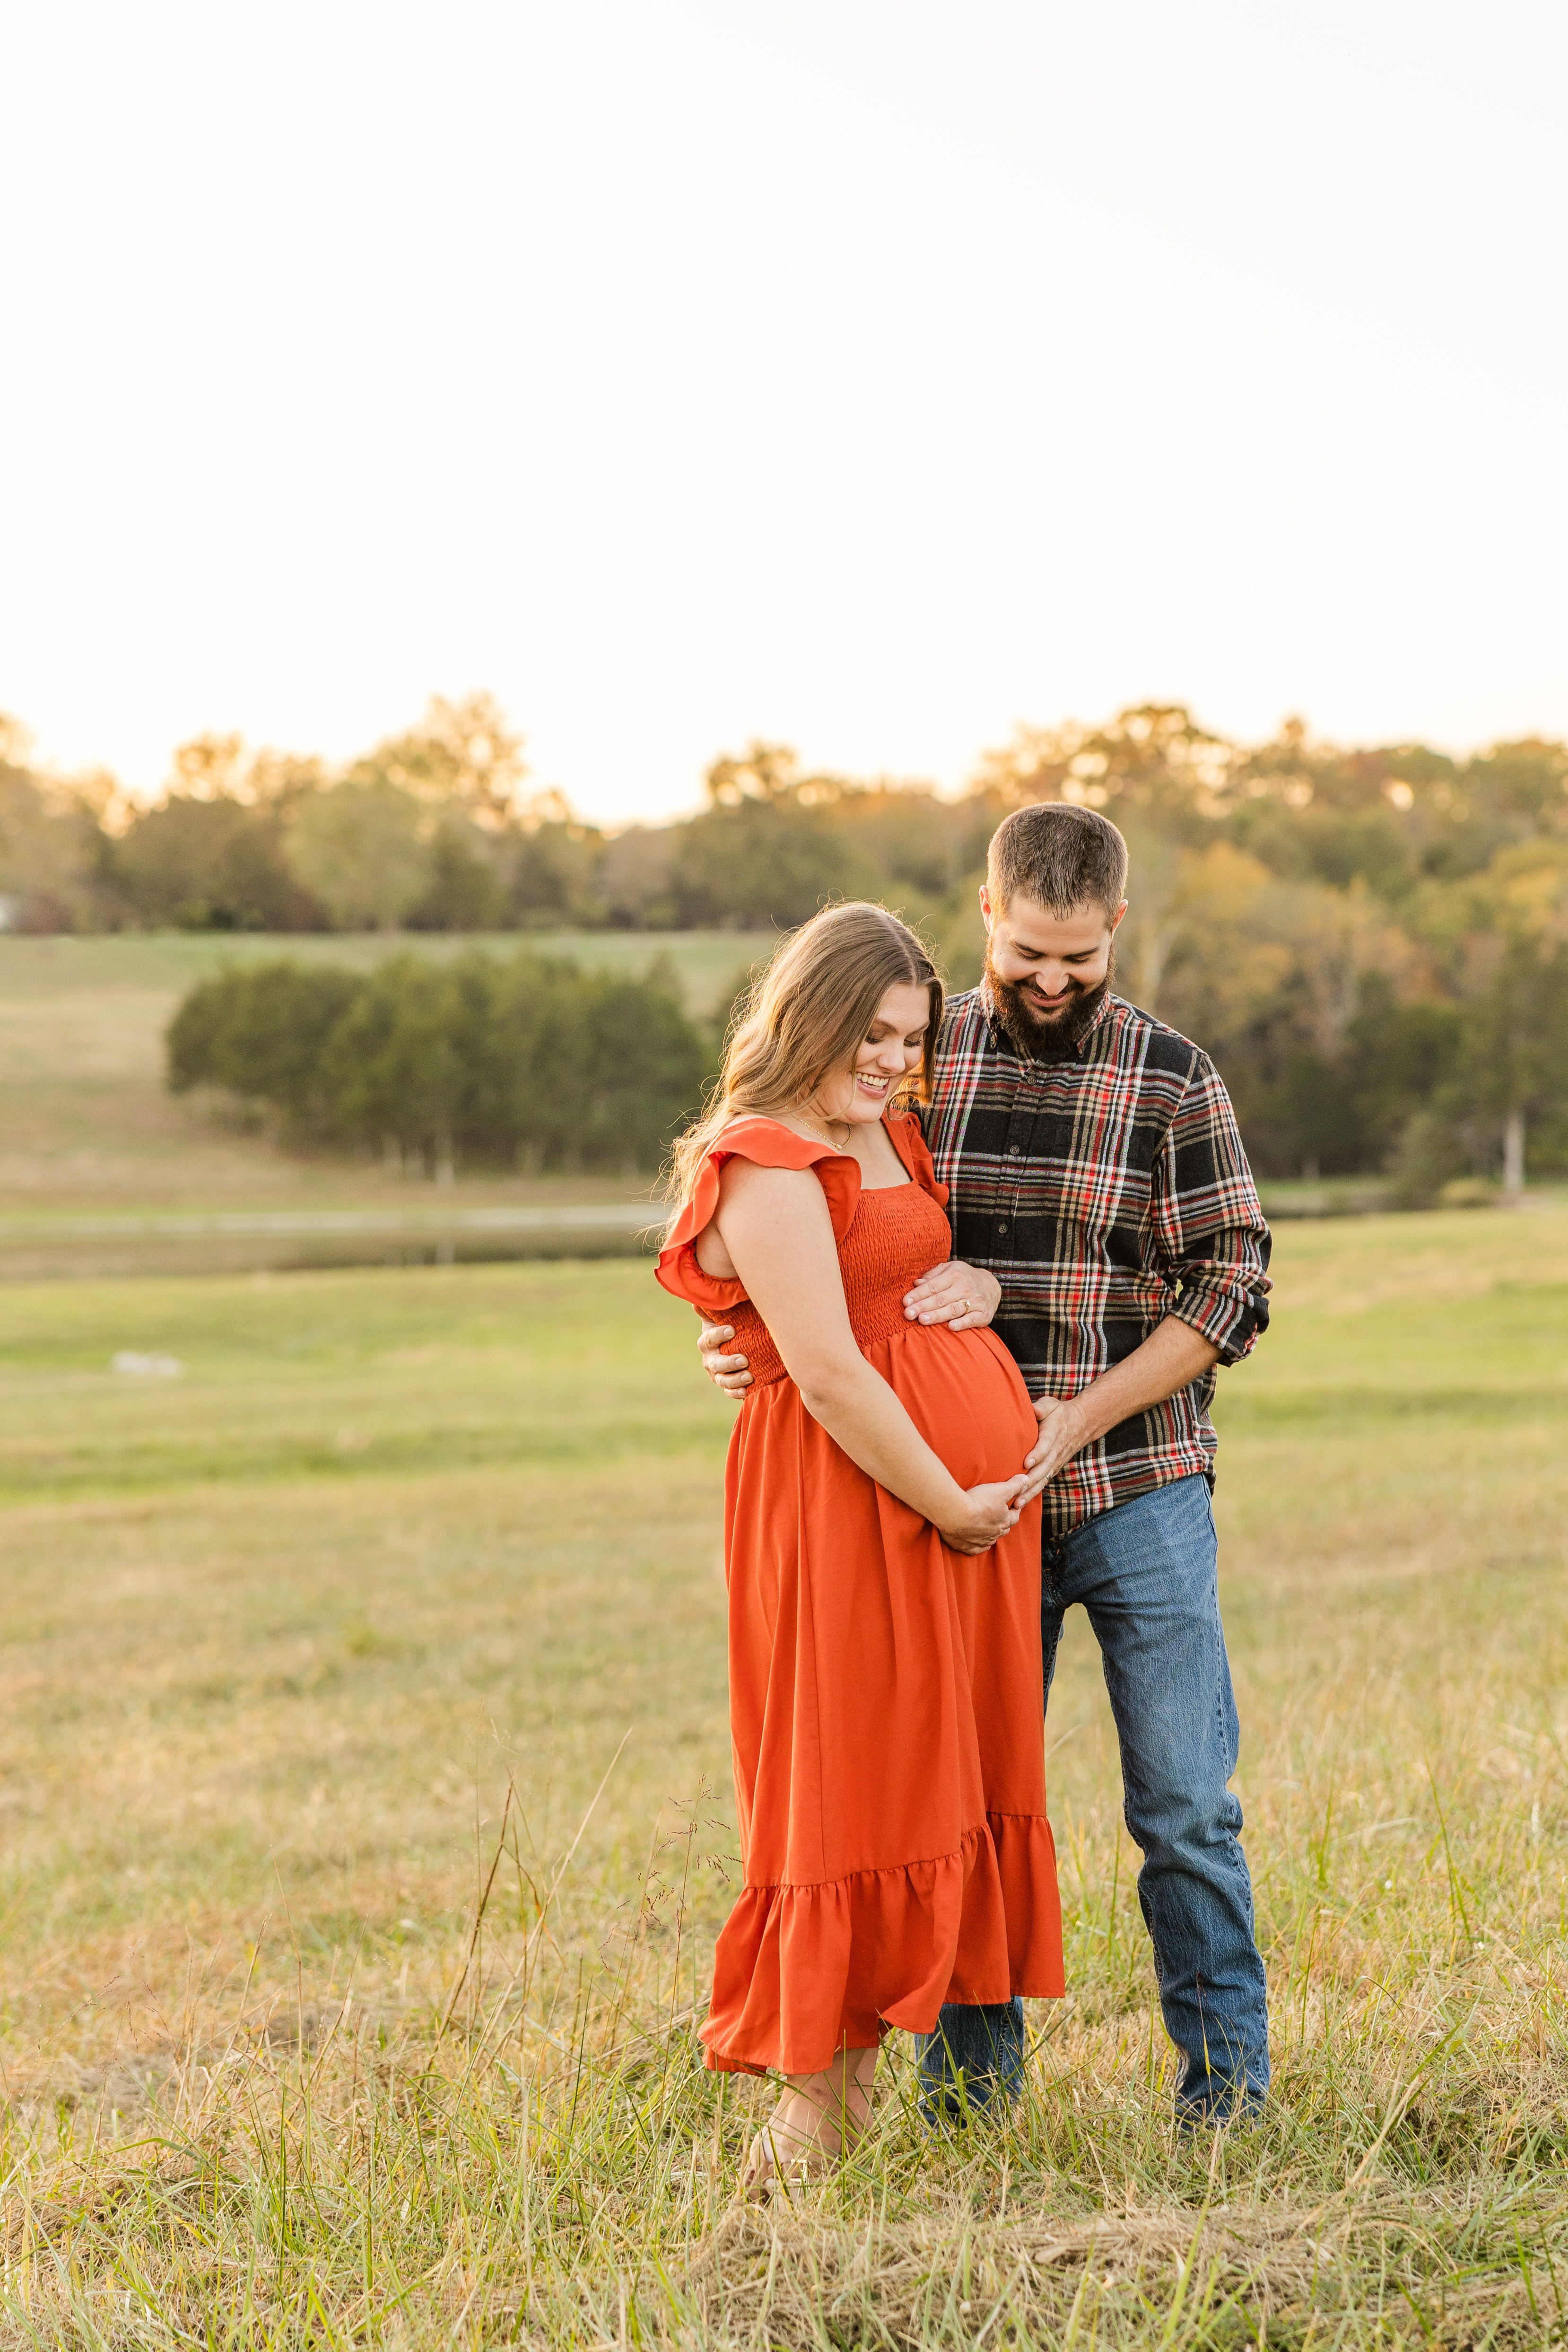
(730, 1373)
(1064, 1432)
(964, 1297)
(1170, 1358)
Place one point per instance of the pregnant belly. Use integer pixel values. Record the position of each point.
(962, 1392)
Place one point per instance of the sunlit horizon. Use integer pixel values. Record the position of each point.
(538, 796)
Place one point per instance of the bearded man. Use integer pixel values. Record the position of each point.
(1104, 1216)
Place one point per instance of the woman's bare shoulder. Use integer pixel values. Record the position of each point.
(756, 1191)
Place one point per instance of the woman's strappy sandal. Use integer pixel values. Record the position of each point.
(780, 2161)
(776, 2168)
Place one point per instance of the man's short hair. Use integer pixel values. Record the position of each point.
(1060, 855)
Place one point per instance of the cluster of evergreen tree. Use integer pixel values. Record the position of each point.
(522, 1061)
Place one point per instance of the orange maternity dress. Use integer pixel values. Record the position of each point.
(885, 1692)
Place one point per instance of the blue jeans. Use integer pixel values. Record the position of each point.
(1147, 1573)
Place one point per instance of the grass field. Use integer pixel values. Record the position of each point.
(408, 1566)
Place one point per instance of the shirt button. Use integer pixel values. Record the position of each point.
(1012, 1151)
(1000, 1224)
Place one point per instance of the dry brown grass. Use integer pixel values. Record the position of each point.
(260, 1715)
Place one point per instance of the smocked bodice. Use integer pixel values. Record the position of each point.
(887, 1237)
(897, 1235)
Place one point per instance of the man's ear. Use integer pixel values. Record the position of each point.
(985, 915)
(1116, 918)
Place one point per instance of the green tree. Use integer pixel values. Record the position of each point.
(530, 1060)
(465, 888)
(767, 849)
(535, 1078)
(1269, 977)
(553, 868)
(263, 1031)
(360, 848)
(52, 845)
(394, 1069)
(212, 866)
(1514, 1057)
(1399, 1056)
(646, 1069)
(210, 854)
(1150, 930)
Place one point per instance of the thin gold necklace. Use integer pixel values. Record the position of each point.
(840, 1148)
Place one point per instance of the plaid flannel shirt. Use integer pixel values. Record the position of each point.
(1104, 1192)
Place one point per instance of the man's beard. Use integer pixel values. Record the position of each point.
(1058, 1039)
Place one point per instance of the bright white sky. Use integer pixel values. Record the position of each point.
(869, 374)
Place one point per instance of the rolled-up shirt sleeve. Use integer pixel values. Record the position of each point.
(1209, 1228)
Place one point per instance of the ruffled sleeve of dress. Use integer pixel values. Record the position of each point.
(908, 1141)
(771, 1145)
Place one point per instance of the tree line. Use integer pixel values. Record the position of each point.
(524, 1061)
(1370, 942)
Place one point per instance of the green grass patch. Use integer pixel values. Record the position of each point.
(345, 1375)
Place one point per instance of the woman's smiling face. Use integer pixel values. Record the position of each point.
(893, 1047)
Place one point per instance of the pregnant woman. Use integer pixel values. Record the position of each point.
(882, 1552)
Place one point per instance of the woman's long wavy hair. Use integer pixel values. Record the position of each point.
(804, 1017)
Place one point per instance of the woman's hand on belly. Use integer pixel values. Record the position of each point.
(988, 1514)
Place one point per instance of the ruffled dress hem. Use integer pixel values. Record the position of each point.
(802, 1972)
